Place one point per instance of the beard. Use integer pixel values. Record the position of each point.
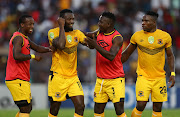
(67, 29)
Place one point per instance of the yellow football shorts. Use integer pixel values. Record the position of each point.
(157, 88)
(109, 89)
(20, 90)
(59, 87)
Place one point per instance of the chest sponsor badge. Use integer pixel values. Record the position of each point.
(51, 34)
(69, 38)
(151, 39)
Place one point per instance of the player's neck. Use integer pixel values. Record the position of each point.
(19, 30)
(151, 31)
(109, 30)
(66, 29)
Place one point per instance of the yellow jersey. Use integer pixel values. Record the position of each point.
(151, 52)
(64, 62)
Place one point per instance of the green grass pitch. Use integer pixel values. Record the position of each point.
(89, 113)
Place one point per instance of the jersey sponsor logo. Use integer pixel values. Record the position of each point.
(160, 41)
(150, 51)
(51, 35)
(69, 38)
(102, 43)
(141, 93)
(58, 94)
(151, 39)
(28, 47)
(70, 50)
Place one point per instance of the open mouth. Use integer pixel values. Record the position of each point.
(31, 30)
(71, 25)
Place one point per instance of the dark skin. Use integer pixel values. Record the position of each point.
(106, 25)
(60, 42)
(66, 24)
(149, 25)
(26, 28)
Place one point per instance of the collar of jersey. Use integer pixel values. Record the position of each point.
(109, 33)
(24, 35)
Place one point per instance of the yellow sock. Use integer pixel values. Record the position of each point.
(50, 115)
(136, 113)
(76, 115)
(23, 114)
(17, 115)
(122, 115)
(156, 114)
(98, 115)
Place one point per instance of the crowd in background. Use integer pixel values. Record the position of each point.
(45, 12)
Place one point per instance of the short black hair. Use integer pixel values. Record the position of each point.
(65, 11)
(153, 14)
(23, 18)
(109, 15)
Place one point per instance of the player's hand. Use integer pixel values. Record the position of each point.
(171, 79)
(38, 58)
(61, 21)
(52, 48)
(89, 46)
(91, 42)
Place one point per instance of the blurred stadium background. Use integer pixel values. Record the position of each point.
(87, 12)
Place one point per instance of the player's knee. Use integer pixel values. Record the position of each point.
(54, 110)
(140, 106)
(80, 107)
(119, 111)
(157, 108)
(119, 107)
(26, 109)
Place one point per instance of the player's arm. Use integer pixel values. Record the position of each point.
(171, 59)
(127, 52)
(17, 45)
(91, 34)
(60, 42)
(38, 48)
(110, 55)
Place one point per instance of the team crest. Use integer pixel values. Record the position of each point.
(75, 39)
(51, 35)
(58, 94)
(141, 93)
(69, 38)
(160, 41)
(151, 39)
